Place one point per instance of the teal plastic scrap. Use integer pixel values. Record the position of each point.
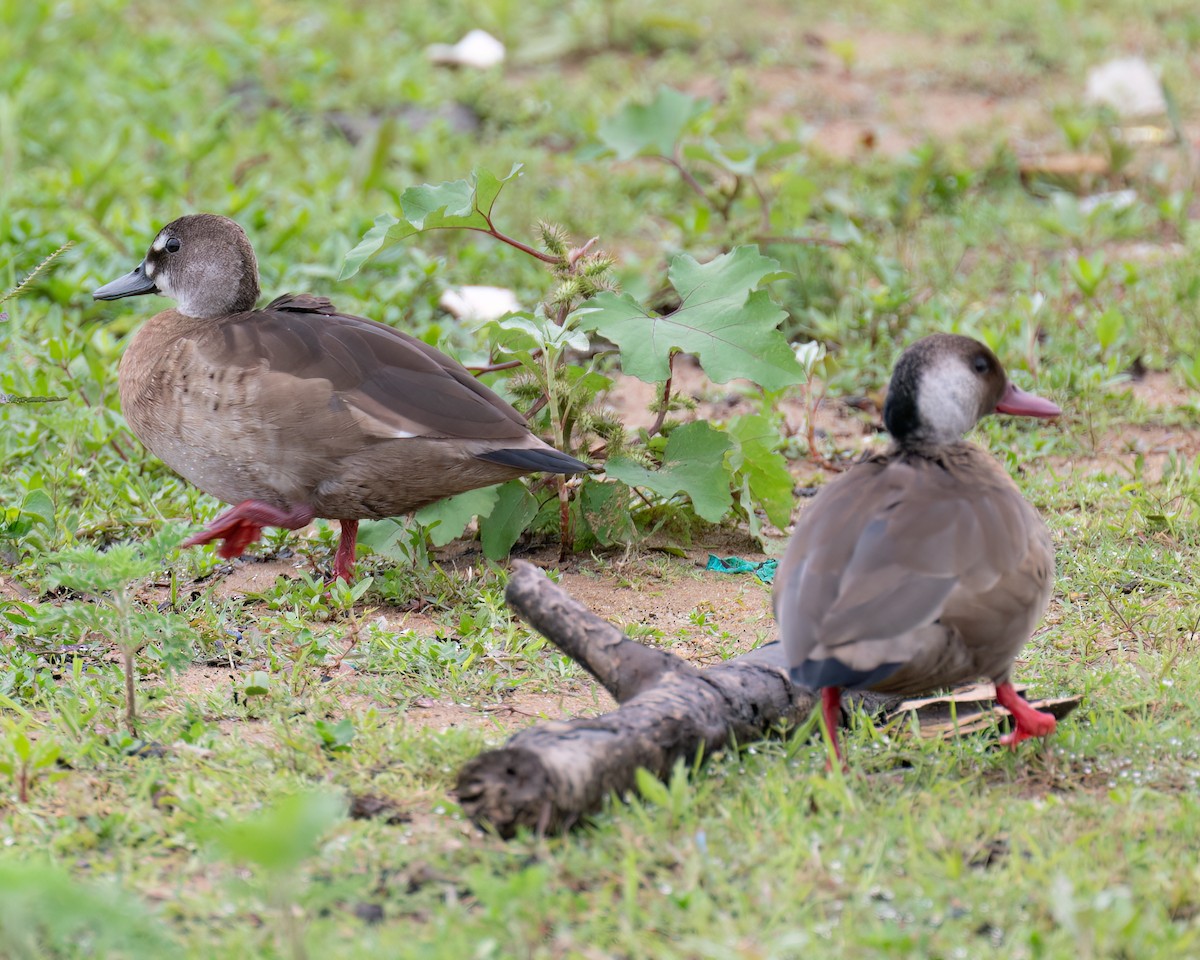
(764, 571)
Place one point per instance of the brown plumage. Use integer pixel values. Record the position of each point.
(922, 566)
(296, 410)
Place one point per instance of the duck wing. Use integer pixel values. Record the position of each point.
(878, 557)
(392, 384)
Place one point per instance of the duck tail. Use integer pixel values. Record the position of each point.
(544, 460)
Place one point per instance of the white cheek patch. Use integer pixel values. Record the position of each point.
(948, 400)
(149, 268)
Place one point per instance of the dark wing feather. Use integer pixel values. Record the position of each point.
(394, 384)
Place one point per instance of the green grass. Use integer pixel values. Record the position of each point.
(115, 118)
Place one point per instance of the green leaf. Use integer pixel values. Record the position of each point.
(651, 788)
(757, 458)
(728, 324)
(447, 518)
(743, 162)
(462, 204)
(282, 837)
(651, 129)
(515, 508)
(539, 332)
(46, 913)
(605, 510)
(1109, 327)
(37, 503)
(257, 684)
(368, 246)
(387, 538)
(693, 463)
(335, 736)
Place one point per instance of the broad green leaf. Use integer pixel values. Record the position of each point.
(37, 503)
(515, 508)
(539, 332)
(743, 163)
(651, 129)
(368, 246)
(724, 320)
(281, 837)
(693, 463)
(462, 204)
(451, 201)
(387, 538)
(764, 468)
(447, 518)
(257, 684)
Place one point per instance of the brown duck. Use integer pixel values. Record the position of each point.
(296, 411)
(922, 566)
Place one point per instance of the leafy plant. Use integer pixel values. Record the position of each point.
(26, 760)
(274, 844)
(12, 294)
(741, 190)
(725, 318)
(44, 913)
(108, 577)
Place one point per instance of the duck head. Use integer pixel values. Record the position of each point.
(203, 262)
(944, 384)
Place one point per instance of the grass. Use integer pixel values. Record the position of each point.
(207, 830)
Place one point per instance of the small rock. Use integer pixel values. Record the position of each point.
(479, 303)
(370, 913)
(478, 49)
(366, 806)
(1129, 85)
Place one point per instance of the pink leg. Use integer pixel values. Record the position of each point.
(240, 526)
(343, 561)
(831, 709)
(1029, 722)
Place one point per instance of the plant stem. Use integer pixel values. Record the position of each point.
(130, 697)
(505, 365)
(566, 537)
(491, 231)
(121, 605)
(691, 181)
(666, 398)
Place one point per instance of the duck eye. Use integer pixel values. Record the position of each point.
(173, 245)
(980, 363)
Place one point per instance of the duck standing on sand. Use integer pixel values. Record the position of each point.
(922, 566)
(296, 411)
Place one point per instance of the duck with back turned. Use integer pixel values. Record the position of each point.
(297, 411)
(922, 566)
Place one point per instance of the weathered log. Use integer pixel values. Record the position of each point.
(550, 776)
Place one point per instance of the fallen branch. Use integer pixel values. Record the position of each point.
(547, 778)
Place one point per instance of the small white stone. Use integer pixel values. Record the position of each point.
(477, 49)
(1129, 85)
(479, 304)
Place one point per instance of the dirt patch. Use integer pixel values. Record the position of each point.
(698, 618)
(256, 575)
(1161, 391)
(860, 90)
(1155, 443)
(514, 710)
